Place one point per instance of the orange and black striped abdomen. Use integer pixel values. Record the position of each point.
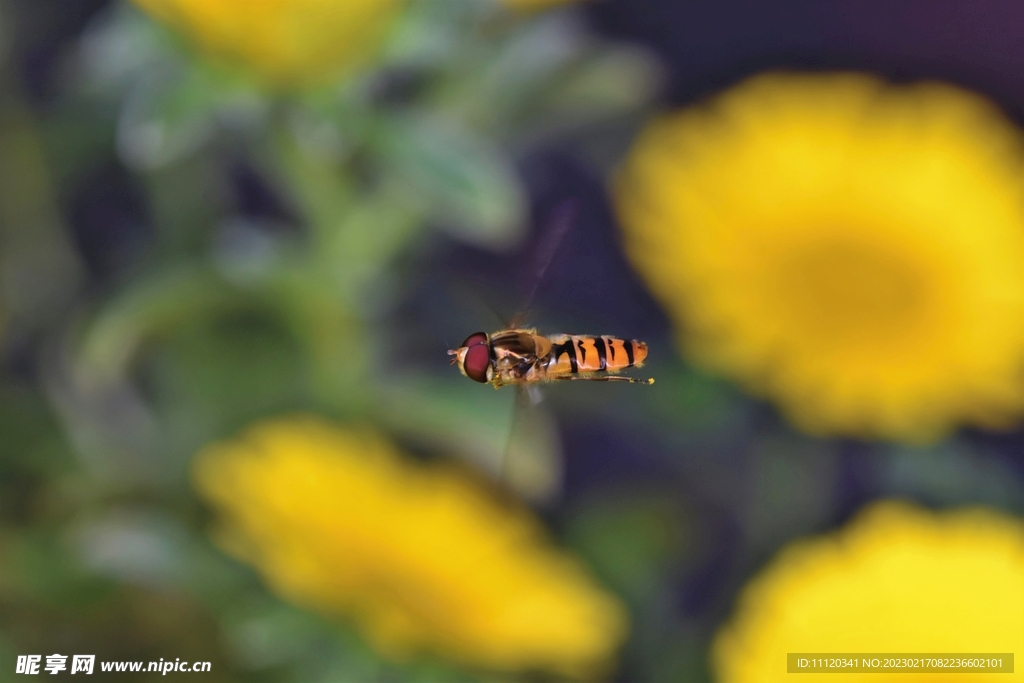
(581, 354)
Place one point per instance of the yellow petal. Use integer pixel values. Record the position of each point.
(420, 556)
(852, 250)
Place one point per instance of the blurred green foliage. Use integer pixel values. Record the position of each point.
(225, 316)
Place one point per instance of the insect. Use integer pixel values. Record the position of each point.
(522, 357)
(516, 355)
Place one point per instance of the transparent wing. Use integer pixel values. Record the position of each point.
(470, 299)
(562, 218)
(532, 462)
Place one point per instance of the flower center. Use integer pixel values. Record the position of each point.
(843, 294)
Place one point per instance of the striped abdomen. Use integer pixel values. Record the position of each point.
(582, 354)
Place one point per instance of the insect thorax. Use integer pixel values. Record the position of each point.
(516, 353)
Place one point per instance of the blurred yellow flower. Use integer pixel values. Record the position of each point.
(287, 42)
(897, 579)
(419, 555)
(850, 249)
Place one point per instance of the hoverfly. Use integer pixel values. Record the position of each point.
(518, 356)
(523, 357)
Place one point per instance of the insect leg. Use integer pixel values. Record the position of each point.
(605, 378)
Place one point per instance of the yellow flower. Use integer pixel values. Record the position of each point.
(287, 42)
(419, 555)
(897, 579)
(850, 249)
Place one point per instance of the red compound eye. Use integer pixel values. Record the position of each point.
(478, 357)
(474, 339)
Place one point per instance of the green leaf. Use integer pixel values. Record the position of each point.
(151, 307)
(474, 191)
(172, 113)
(610, 82)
